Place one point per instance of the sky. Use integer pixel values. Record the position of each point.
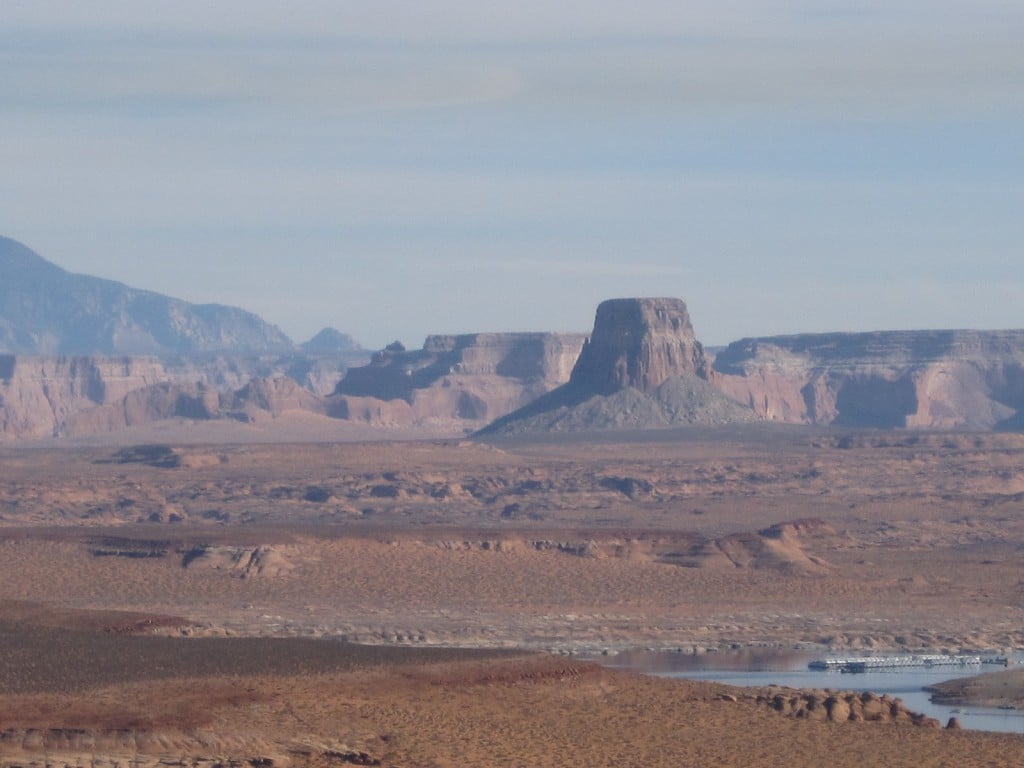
(399, 168)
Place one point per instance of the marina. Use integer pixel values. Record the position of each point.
(860, 664)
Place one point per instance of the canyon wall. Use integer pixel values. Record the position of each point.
(465, 378)
(43, 396)
(969, 380)
(456, 382)
(37, 394)
(641, 368)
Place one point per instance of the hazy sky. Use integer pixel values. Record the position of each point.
(401, 168)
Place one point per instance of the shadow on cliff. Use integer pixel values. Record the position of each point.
(875, 403)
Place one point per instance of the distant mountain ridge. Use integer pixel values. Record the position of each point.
(330, 341)
(47, 310)
(81, 355)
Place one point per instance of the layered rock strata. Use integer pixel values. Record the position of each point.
(456, 379)
(38, 394)
(639, 343)
(44, 396)
(889, 379)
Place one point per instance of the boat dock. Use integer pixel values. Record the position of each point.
(873, 663)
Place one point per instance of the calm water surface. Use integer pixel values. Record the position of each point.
(775, 667)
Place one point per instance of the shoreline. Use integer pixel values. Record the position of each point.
(1003, 689)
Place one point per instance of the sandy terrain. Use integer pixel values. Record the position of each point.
(906, 541)
(996, 689)
(530, 711)
(688, 540)
(108, 699)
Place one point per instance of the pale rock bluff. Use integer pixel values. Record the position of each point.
(44, 396)
(455, 380)
(955, 379)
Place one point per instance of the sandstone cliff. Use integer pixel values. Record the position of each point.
(894, 379)
(642, 368)
(43, 396)
(157, 402)
(639, 343)
(39, 394)
(454, 381)
(459, 379)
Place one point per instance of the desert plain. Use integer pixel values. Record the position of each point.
(434, 602)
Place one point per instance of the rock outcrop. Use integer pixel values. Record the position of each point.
(891, 379)
(241, 562)
(1003, 689)
(260, 397)
(39, 394)
(73, 396)
(783, 548)
(158, 402)
(274, 396)
(466, 379)
(839, 706)
(639, 343)
(454, 383)
(642, 368)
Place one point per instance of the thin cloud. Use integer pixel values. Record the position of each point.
(334, 62)
(438, 157)
(556, 267)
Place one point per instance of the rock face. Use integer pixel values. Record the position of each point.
(73, 396)
(642, 368)
(453, 382)
(465, 379)
(46, 310)
(38, 394)
(639, 343)
(891, 379)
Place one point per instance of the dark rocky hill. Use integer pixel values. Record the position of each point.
(47, 310)
(641, 368)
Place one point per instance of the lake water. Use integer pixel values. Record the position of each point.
(775, 667)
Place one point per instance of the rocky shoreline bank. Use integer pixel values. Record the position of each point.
(1003, 689)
